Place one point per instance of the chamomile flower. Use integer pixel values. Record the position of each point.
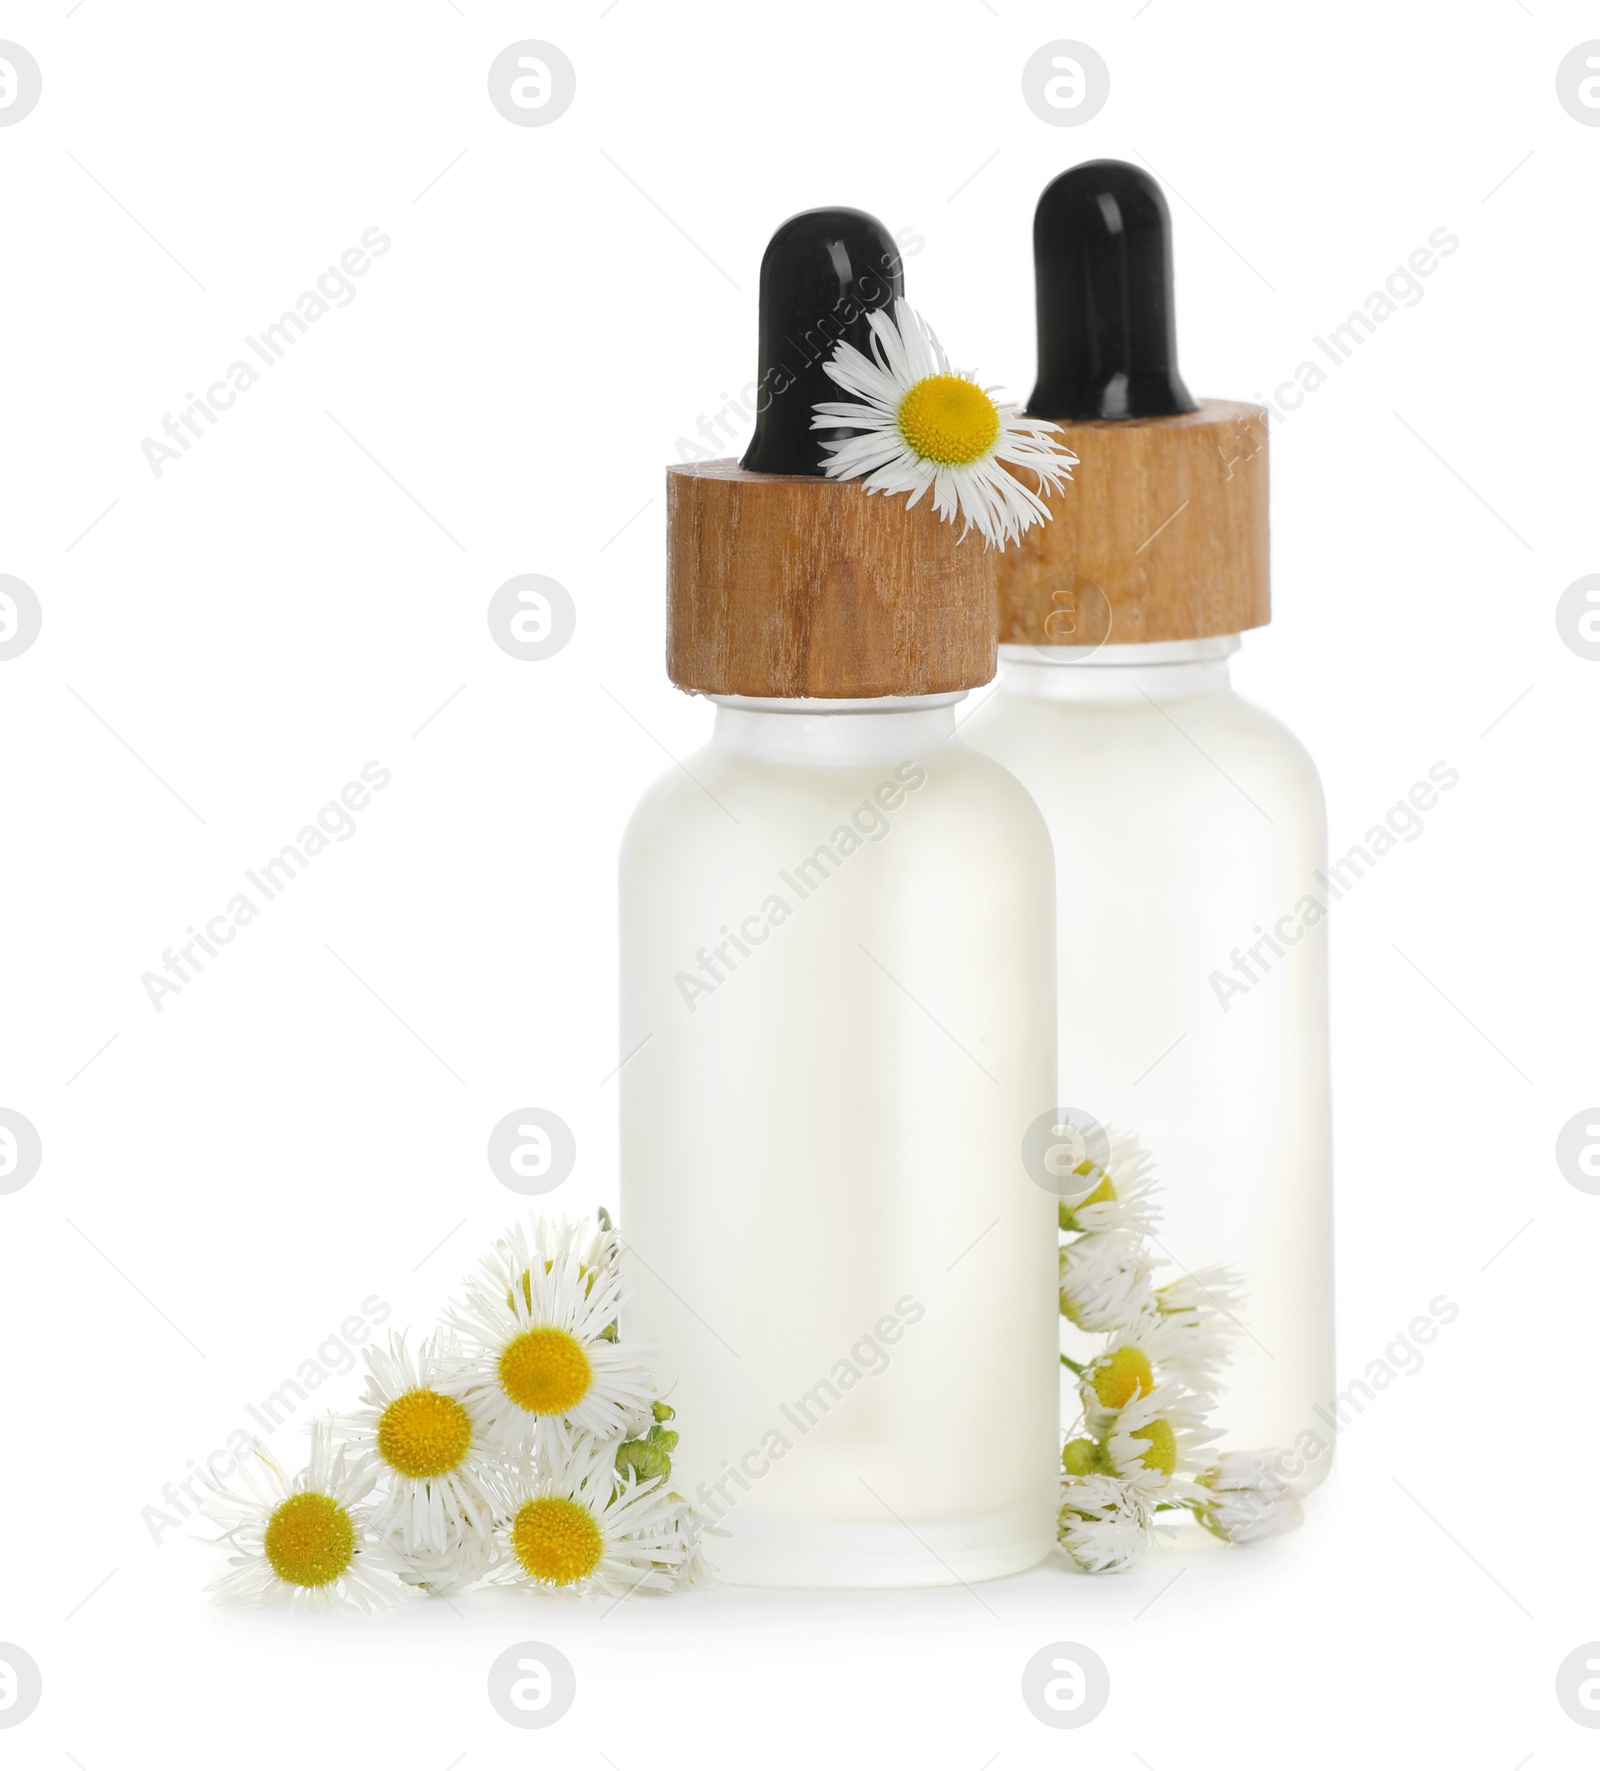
(1190, 1346)
(923, 427)
(1120, 1375)
(1247, 1498)
(467, 1554)
(425, 1444)
(307, 1544)
(1105, 1282)
(1117, 1195)
(1104, 1523)
(1155, 1439)
(542, 1358)
(585, 1527)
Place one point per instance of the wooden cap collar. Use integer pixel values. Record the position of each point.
(783, 585)
(1161, 534)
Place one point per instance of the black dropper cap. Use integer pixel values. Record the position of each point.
(1102, 256)
(823, 272)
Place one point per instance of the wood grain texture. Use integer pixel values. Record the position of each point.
(790, 586)
(1160, 535)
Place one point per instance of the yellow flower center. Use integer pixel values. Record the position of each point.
(949, 420)
(545, 1371)
(1123, 1376)
(1163, 1447)
(555, 1540)
(310, 1540)
(424, 1434)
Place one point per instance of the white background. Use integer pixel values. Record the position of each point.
(226, 645)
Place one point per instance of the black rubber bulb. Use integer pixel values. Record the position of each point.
(1102, 256)
(823, 272)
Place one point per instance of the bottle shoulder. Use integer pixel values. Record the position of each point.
(1213, 757)
(720, 799)
(1256, 724)
(1141, 730)
(1259, 736)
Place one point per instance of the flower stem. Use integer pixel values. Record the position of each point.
(1073, 1366)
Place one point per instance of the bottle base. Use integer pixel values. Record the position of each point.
(801, 1553)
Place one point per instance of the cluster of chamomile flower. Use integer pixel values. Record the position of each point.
(1141, 1445)
(521, 1444)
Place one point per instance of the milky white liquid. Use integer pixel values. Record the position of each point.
(1185, 821)
(826, 1220)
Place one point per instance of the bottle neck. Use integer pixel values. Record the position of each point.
(1166, 670)
(837, 734)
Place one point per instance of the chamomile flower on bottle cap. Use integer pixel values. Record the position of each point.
(922, 427)
(786, 578)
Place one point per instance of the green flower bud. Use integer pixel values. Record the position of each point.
(650, 1456)
(646, 1460)
(1080, 1457)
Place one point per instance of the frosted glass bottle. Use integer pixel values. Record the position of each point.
(1189, 834)
(838, 1017)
